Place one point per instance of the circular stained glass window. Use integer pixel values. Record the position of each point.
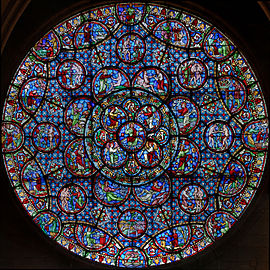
(135, 134)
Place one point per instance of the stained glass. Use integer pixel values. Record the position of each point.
(135, 134)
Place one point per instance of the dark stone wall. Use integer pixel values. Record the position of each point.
(245, 247)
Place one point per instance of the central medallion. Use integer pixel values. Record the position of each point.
(131, 136)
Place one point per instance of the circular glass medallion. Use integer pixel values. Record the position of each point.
(72, 199)
(218, 136)
(130, 48)
(46, 137)
(132, 136)
(132, 223)
(192, 74)
(192, 199)
(70, 74)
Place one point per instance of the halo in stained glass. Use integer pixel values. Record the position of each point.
(135, 134)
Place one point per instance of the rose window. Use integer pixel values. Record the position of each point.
(135, 134)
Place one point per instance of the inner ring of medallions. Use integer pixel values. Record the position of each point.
(150, 116)
(131, 136)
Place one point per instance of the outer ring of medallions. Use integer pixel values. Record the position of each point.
(52, 149)
(133, 210)
(66, 110)
(170, 228)
(206, 51)
(104, 161)
(51, 58)
(204, 137)
(144, 48)
(58, 74)
(207, 221)
(157, 110)
(204, 81)
(50, 213)
(67, 167)
(108, 68)
(198, 151)
(243, 131)
(29, 112)
(197, 110)
(157, 205)
(241, 187)
(23, 181)
(101, 201)
(58, 199)
(143, 89)
(132, 248)
(128, 24)
(153, 166)
(76, 227)
(206, 200)
(118, 137)
(22, 133)
(219, 78)
(169, 43)
(80, 27)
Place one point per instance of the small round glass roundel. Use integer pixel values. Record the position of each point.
(135, 134)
